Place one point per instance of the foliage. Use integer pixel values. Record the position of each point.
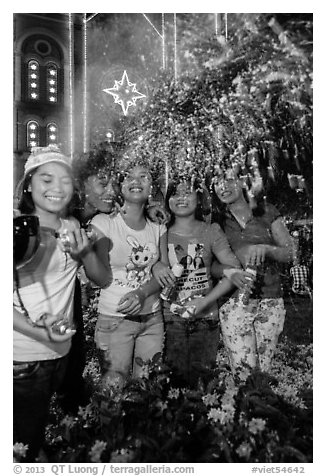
(247, 100)
(154, 419)
(151, 420)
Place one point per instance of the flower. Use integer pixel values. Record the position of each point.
(210, 399)
(68, 421)
(244, 450)
(256, 425)
(19, 451)
(161, 405)
(123, 455)
(174, 393)
(97, 450)
(218, 416)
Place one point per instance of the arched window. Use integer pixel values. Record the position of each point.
(52, 83)
(33, 80)
(33, 134)
(51, 133)
(43, 80)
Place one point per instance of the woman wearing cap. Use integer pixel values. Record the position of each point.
(43, 294)
(260, 239)
(129, 330)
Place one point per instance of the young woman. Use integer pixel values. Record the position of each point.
(191, 314)
(44, 293)
(129, 330)
(97, 193)
(259, 238)
(96, 181)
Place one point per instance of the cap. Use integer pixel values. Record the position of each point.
(44, 155)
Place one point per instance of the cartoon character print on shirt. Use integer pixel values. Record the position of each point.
(194, 280)
(141, 259)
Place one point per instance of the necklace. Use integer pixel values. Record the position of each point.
(243, 218)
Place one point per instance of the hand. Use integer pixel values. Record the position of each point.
(238, 277)
(196, 306)
(115, 210)
(158, 214)
(131, 303)
(256, 254)
(77, 243)
(163, 274)
(47, 320)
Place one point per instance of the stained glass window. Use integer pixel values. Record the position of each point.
(33, 134)
(33, 84)
(51, 133)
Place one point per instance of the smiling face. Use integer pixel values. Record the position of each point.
(101, 191)
(51, 188)
(228, 188)
(183, 202)
(136, 185)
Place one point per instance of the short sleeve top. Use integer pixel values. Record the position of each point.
(132, 254)
(196, 252)
(256, 231)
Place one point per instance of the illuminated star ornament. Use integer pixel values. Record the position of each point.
(124, 93)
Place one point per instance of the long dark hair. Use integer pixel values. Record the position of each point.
(219, 209)
(200, 211)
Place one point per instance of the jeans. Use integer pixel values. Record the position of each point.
(125, 342)
(250, 334)
(73, 392)
(34, 385)
(191, 347)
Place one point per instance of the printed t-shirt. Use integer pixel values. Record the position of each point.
(131, 256)
(46, 284)
(196, 252)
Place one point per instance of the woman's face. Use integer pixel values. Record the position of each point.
(51, 188)
(136, 186)
(101, 191)
(184, 200)
(228, 188)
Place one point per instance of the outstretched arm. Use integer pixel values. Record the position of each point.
(201, 303)
(161, 269)
(96, 260)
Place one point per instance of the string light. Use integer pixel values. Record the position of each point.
(163, 41)
(85, 83)
(216, 25)
(91, 17)
(153, 26)
(161, 35)
(70, 27)
(175, 45)
(226, 25)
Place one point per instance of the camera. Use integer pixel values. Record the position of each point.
(61, 327)
(26, 238)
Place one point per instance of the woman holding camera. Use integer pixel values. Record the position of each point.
(44, 293)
